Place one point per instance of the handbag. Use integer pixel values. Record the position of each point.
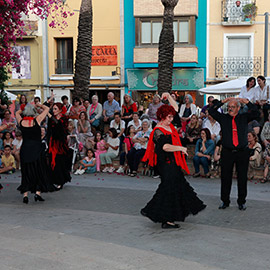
(96, 122)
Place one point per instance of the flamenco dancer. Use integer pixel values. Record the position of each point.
(33, 166)
(58, 146)
(174, 199)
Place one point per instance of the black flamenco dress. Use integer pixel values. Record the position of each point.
(174, 199)
(33, 164)
(58, 151)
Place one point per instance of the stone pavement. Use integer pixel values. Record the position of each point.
(94, 223)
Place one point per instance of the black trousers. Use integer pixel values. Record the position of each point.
(240, 159)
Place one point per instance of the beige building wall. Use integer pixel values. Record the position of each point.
(217, 33)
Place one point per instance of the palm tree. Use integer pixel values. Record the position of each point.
(84, 51)
(166, 48)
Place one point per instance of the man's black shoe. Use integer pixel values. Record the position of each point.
(223, 206)
(242, 207)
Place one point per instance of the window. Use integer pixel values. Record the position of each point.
(64, 61)
(148, 30)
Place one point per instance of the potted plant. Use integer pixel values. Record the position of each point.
(250, 11)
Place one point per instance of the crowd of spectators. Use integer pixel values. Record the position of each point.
(99, 133)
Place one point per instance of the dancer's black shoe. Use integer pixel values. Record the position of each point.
(25, 200)
(38, 198)
(167, 225)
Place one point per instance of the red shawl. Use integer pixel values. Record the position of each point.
(151, 156)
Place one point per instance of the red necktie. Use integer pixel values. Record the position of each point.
(234, 133)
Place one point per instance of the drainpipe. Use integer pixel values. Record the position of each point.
(122, 49)
(266, 14)
(45, 56)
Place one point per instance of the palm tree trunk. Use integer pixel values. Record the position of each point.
(84, 51)
(166, 48)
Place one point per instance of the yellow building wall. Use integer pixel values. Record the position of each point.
(217, 32)
(106, 31)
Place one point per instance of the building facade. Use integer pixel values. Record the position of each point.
(235, 33)
(105, 71)
(143, 24)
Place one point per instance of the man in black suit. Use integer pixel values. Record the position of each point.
(234, 128)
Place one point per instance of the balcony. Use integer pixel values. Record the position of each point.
(63, 66)
(238, 12)
(231, 67)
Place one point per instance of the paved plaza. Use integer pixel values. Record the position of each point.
(94, 223)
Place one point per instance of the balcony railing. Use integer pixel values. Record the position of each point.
(226, 67)
(232, 12)
(63, 66)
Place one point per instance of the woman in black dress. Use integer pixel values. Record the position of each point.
(174, 199)
(58, 146)
(33, 166)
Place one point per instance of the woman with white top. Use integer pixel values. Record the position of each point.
(136, 122)
(248, 90)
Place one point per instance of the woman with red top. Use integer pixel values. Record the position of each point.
(128, 108)
(174, 199)
(76, 109)
(58, 146)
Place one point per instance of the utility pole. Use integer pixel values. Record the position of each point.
(266, 14)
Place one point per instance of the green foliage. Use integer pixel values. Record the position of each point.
(250, 10)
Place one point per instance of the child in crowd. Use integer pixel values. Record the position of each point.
(99, 148)
(8, 161)
(88, 164)
(112, 147)
(266, 156)
(17, 143)
(128, 145)
(8, 139)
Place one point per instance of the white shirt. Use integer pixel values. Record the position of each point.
(250, 95)
(119, 126)
(131, 123)
(113, 142)
(214, 129)
(262, 94)
(17, 143)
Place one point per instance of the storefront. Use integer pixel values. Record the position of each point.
(142, 84)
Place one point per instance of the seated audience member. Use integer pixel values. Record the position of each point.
(204, 150)
(72, 140)
(265, 134)
(99, 148)
(255, 152)
(17, 143)
(140, 109)
(3, 107)
(112, 147)
(152, 110)
(137, 152)
(213, 126)
(128, 145)
(7, 139)
(22, 101)
(217, 158)
(86, 104)
(266, 156)
(76, 109)
(95, 112)
(84, 130)
(88, 164)
(175, 98)
(193, 131)
(187, 110)
(261, 96)
(128, 108)
(68, 106)
(248, 92)
(135, 122)
(110, 107)
(9, 121)
(254, 126)
(8, 161)
(206, 107)
(119, 125)
(37, 101)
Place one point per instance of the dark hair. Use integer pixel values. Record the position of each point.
(6, 110)
(262, 78)
(11, 136)
(23, 95)
(254, 135)
(117, 113)
(135, 113)
(64, 97)
(128, 130)
(59, 105)
(95, 139)
(91, 150)
(85, 114)
(209, 98)
(207, 132)
(37, 98)
(76, 99)
(87, 100)
(8, 146)
(114, 132)
(164, 110)
(18, 133)
(251, 79)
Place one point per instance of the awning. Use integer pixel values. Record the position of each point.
(183, 79)
(10, 95)
(230, 87)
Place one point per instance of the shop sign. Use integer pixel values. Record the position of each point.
(183, 79)
(104, 56)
